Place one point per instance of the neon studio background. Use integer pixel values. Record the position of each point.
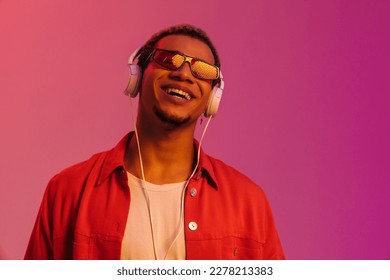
(305, 111)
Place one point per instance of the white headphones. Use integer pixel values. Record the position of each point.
(135, 79)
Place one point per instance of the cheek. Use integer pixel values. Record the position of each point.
(206, 89)
(148, 82)
(146, 77)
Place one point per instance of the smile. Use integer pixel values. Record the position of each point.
(178, 93)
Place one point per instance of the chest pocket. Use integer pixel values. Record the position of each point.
(241, 248)
(96, 247)
(225, 248)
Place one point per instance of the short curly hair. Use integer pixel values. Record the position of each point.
(145, 51)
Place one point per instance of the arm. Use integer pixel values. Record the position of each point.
(40, 245)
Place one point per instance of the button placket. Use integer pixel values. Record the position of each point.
(193, 225)
(193, 192)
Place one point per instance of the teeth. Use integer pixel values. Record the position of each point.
(179, 92)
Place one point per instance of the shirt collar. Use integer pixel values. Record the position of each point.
(206, 165)
(115, 158)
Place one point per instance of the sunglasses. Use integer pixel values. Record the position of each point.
(173, 60)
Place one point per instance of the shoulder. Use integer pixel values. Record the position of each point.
(89, 172)
(73, 178)
(231, 179)
(80, 169)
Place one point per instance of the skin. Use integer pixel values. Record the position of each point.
(165, 123)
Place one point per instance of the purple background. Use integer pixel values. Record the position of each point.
(305, 111)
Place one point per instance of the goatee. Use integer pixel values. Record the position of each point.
(172, 120)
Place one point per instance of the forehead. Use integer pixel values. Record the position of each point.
(187, 45)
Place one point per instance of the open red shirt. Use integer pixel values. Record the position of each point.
(84, 212)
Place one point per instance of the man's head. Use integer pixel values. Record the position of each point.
(183, 29)
(171, 89)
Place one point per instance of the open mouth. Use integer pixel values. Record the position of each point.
(178, 93)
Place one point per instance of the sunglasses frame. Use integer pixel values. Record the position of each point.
(188, 59)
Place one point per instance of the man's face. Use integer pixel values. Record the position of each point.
(176, 97)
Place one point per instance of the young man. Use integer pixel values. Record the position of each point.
(156, 195)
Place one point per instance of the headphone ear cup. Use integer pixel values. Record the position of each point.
(213, 103)
(135, 78)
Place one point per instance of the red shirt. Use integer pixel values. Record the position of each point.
(84, 212)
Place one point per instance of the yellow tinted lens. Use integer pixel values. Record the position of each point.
(204, 70)
(177, 60)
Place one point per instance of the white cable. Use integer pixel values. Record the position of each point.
(143, 181)
(181, 220)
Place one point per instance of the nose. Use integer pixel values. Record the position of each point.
(183, 73)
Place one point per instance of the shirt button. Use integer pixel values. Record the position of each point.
(199, 175)
(193, 226)
(193, 192)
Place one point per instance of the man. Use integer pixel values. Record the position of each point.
(156, 195)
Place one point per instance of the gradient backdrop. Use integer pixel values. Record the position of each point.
(305, 111)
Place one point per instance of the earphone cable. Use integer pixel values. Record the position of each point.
(181, 220)
(143, 181)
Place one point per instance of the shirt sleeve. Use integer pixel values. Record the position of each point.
(40, 246)
(273, 248)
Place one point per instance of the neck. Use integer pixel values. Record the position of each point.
(168, 155)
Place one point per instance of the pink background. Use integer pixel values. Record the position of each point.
(305, 111)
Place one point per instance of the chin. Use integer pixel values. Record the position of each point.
(170, 119)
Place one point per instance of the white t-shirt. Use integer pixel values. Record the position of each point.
(165, 204)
